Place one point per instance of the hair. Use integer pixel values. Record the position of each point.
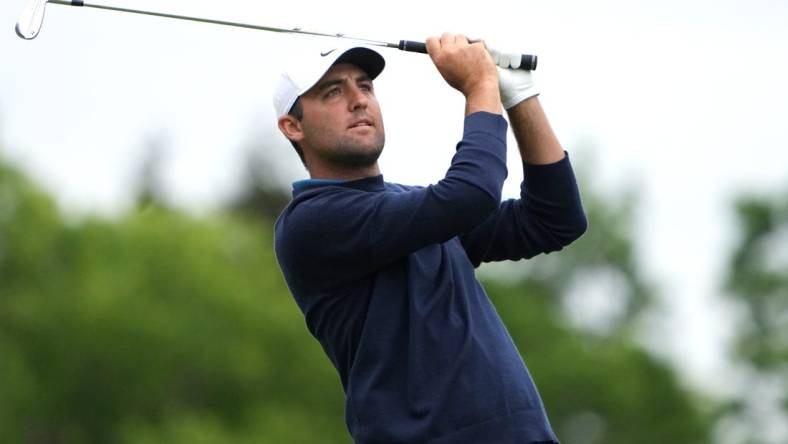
(297, 111)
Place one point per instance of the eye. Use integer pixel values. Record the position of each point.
(365, 87)
(333, 92)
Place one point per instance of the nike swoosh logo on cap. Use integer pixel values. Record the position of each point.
(323, 54)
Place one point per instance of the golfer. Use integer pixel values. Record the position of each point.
(384, 273)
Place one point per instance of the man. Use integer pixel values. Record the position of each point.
(384, 273)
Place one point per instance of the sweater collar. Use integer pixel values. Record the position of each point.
(371, 183)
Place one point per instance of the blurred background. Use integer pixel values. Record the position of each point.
(141, 172)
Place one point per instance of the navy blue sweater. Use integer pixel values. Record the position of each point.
(384, 274)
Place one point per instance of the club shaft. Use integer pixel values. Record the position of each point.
(220, 22)
(528, 62)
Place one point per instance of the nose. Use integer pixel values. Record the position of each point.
(358, 98)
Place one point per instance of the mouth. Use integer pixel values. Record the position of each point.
(361, 123)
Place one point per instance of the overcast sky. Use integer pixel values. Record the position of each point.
(685, 101)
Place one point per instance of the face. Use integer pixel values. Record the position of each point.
(342, 124)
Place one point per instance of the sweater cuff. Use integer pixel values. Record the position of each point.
(482, 121)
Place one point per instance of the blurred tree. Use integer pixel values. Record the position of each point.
(758, 277)
(574, 316)
(596, 389)
(132, 329)
(757, 281)
(161, 327)
(149, 188)
(262, 193)
(596, 283)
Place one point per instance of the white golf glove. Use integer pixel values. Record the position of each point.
(515, 84)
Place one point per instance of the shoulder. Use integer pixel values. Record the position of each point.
(313, 212)
(399, 188)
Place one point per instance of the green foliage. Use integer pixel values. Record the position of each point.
(137, 329)
(599, 385)
(606, 249)
(161, 327)
(758, 277)
(262, 195)
(758, 281)
(596, 390)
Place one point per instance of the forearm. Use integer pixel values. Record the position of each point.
(536, 140)
(547, 217)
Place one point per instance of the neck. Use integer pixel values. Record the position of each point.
(338, 173)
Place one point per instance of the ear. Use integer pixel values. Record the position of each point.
(291, 128)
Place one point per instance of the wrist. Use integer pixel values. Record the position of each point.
(481, 87)
(483, 98)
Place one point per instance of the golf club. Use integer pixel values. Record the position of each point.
(32, 18)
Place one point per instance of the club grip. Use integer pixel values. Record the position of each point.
(527, 61)
(409, 45)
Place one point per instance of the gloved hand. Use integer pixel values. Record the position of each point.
(515, 84)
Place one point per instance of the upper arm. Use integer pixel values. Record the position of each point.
(511, 233)
(548, 216)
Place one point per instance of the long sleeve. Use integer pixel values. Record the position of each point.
(548, 216)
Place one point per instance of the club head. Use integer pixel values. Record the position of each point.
(32, 18)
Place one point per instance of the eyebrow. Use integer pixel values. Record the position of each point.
(329, 83)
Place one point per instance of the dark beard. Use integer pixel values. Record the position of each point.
(352, 159)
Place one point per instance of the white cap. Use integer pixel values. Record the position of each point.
(299, 77)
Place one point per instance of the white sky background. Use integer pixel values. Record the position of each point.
(686, 101)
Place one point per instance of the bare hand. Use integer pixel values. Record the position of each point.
(466, 66)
